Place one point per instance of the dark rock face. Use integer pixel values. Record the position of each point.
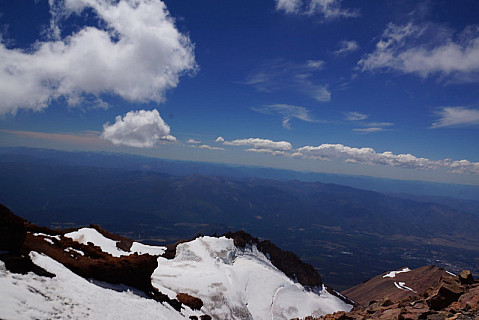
(286, 261)
(12, 230)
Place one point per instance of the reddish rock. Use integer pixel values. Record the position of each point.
(192, 302)
(449, 290)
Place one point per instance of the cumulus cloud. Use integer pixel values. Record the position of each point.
(220, 139)
(287, 111)
(259, 144)
(136, 53)
(283, 75)
(456, 117)
(346, 47)
(193, 141)
(371, 157)
(326, 9)
(140, 129)
(426, 49)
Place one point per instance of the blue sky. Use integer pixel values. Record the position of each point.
(383, 88)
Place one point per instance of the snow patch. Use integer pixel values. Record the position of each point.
(392, 274)
(402, 286)
(85, 235)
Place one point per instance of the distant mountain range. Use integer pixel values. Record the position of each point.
(348, 234)
(185, 168)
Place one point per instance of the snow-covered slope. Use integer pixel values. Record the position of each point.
(69, 296)
(236, 283)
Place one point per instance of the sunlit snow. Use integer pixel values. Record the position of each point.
(239, 284)
(85, 235)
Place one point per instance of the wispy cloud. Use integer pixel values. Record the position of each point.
(369, 130)
(346, 47)
(283, 75)
(286, 111)
(326, 9)
(355, 116)
(426, 49)
(358, 119)
(456, 117)
(193, 141)
(137, 54)
(140, 129)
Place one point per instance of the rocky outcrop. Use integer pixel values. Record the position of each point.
(286, 261)
(449, 299)
(396, 285)
(12, 230)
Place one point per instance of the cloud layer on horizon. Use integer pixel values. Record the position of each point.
(137, 55)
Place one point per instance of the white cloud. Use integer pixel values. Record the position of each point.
(426, 49)
(287, 112)
(258, 143)
(456, 117)
(220, 139)
(355, 116)
(346, 47)
(141, 129)
(137, 54)
(205, 146)
(193, 141)
(327, 9)
(370, 157)
(281, 75)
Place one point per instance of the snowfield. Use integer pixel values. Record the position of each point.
(239, 284)
(69, 296)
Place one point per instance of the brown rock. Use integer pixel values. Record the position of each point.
(466, 277)
(390, 314)
(471, 298)
(192, 302)
(449, 291)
